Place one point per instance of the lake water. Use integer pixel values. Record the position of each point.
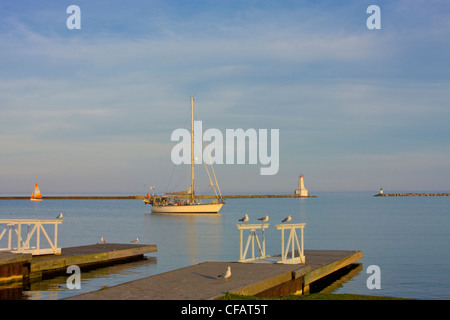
(407, 237)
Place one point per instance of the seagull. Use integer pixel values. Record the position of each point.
(226, 274)
(244, 219)
(264, 219)
(135, 241)
(60, 216)
(102, 240)
(287, 219)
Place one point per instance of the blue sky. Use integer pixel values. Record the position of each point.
(92, 110)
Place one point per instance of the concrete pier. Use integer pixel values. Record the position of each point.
(201, 281)
(25, 266)
(12, 266)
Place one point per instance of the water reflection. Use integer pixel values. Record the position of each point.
(94, 279)
(336, 280)
(194, 235)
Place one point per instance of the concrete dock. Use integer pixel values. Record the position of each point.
(12, 266)
(201, 281)
(16, 267)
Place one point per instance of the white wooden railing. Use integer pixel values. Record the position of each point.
(17, 243)
(252, 238)
(292, 243)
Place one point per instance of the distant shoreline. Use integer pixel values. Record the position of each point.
(229, 196)
(237, 196)
(71, 197)
(412, 194)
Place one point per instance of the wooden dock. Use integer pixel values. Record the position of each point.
(15, 267)
(12, 266)
(200, 281)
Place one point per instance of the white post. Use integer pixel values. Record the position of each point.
(38, 237)
(253, 235)
(303, 248)
(55, 242)
(19, 235)
(9, 236)
(241, 246)
(264, 243)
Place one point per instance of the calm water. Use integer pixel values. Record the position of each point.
(407, 237)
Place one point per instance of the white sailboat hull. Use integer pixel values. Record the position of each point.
(163, 204)
(189, 208)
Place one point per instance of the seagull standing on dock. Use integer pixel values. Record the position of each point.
(60, 216)
(244, 219)
(264, 219)
(226, 274)
(135, 241)
(287, 219)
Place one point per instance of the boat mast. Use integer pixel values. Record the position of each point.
(192, 149)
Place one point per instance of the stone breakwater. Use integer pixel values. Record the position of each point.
(412, 195)
(238, 196)
(73, 197)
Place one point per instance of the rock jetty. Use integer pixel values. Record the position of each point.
(412, 195)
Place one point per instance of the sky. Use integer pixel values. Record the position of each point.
(92, 110)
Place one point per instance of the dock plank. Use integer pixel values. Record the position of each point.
(200, 281)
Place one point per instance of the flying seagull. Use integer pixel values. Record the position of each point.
(60, 216)
(264, 219)
(244, 219)
(226, 274)
(135, 241)
(287, 219)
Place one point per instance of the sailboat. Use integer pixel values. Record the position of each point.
(185, 202)
(36, 196)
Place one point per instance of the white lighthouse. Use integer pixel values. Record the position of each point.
(301, 190)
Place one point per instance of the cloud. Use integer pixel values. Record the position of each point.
(312, 70)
